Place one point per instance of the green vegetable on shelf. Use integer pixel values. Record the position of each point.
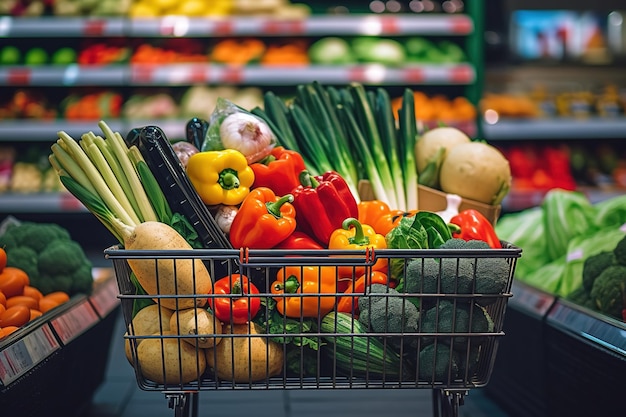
(609, 291)
(46, 252)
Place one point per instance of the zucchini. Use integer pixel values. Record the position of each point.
(357, 353)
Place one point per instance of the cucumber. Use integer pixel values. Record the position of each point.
(357, 353)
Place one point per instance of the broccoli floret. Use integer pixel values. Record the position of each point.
(437, 363)
(389, 313)
(24, 258)
(456, 243)
(620, 251)
(458, 275)
(594, 265)
(609, 291)
(36, 235)
(52, 260)
(447, 276)
(61, 257)
(582, 297)
(451, 317)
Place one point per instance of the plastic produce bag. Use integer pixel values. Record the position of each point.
(231, 127)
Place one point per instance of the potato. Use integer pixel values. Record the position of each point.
(199, 323)
(147, 321)
(170, 360)
(245, 359)
(175, 277)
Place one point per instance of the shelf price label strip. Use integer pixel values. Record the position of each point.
(75, 321)
(23, 355)
(104, 300)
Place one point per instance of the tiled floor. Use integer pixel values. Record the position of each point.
(119, 396)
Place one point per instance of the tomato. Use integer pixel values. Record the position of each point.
(5, 331)
(15, 316)
(3, 259)
(2, 309)
(3, 299)
(23, 300)
(32, 292)
(12, 281)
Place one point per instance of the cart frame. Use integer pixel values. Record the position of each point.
(448, 388)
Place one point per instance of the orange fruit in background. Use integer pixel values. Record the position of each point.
(11, 284)
(32, 292)
(5, 331)
(3, 299)
(59, 296)
(15, 316)
(23, 300)
(34, 313)
(3, 259)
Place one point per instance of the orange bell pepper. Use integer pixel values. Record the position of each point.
(308, 282)
(347, 303)
(377, 214)
(354, 235)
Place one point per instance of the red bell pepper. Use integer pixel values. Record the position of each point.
(475, 226)
(299, 240)
(280, 171)
(322, 203)
(233, 309)
(263, 220)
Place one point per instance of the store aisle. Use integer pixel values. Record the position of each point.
(119, 396)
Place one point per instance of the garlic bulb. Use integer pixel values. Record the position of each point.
(248, 134)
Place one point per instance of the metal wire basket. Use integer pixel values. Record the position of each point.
(450, 345)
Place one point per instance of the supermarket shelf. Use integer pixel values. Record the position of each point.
(519, 200)
(57, 347)
(189, 74)
(51, 202)
(598, 329)
(365, 24)
(530, 300)
(46, 131)
(557, 128)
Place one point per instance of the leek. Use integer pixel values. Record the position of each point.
(95, 172)
(408, 135)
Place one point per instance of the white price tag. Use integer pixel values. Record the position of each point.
(26, 353)
(75, 321)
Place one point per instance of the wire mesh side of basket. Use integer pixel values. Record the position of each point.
(454, 344)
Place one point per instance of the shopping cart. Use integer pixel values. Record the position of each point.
(451, 351)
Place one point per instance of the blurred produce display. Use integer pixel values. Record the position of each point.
(541, 101)
(568, 244)
(153, 8)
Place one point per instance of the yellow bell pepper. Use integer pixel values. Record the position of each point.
(354, 235)
(220, 177)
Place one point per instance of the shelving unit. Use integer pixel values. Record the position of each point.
(465, 27)
(558, 358)
(64, 352)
